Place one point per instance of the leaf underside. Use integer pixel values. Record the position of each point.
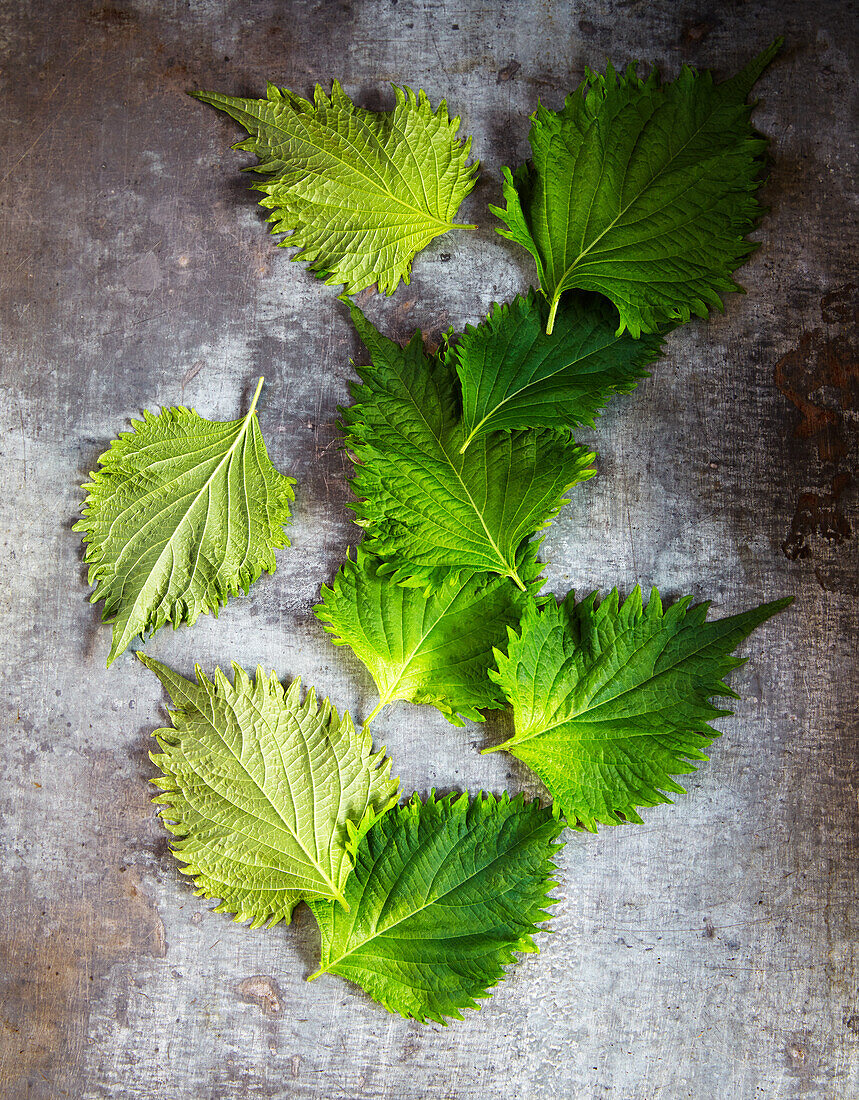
(641, 191)
(611, 700)
(427, 507)
(184, 513)
(263, 790)
(431, 648)
(515, 376)
(442, 895)
(360, 193)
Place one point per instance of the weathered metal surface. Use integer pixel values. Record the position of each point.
(709, 952)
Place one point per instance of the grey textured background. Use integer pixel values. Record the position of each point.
(707, 953)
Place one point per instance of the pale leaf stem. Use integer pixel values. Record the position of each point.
(255, 398)
(550, 324)
(373, 713)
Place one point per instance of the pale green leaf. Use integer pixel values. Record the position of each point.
(515, 376)
(610, 700)
(426, 506)
(360, 193)
(183, 513)
(641, 191)
(431, 648)
(442, 895)
(264, 791)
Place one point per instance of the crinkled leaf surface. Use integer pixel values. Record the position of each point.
(425, 505)
(432, 647)
(264, 790)
(611, 700)
(442, 895)
(359, 192)
(641, 191)
(183, 513)
(515, 376)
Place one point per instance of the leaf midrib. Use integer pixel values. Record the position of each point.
(518, 740)
(535, 382)
(311, 860)
(435, 900)
(390, 695)
(205, 488)
(383, 192)
(651, 182)
(508, 571)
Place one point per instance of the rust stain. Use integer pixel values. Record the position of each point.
(508, 72)
(261, 990)
(48, 964)
(693, 33)
(57, 942)
(818, 514)
(841, 305)
(820, 377)
(110, 16)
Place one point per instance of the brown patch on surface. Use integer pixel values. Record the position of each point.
(58, 939)
(818, 514)
(796, 1054)
(508, 72)
(261, 990)
(40, 977)
(841, 305)
(800, 1059)
(110, 16)
(49, 960)
(697, 32)
(820, 377)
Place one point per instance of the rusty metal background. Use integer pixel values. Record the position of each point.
(707, 953)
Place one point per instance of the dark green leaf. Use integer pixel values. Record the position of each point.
(641, 191)
(442, 895)
(610, 701)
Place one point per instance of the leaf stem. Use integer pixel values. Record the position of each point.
(550, 324)
(471, 436)
(492, 748)
(514, 576)
(372, 715)
(340, 897)
(317, 974)
(255, 398)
